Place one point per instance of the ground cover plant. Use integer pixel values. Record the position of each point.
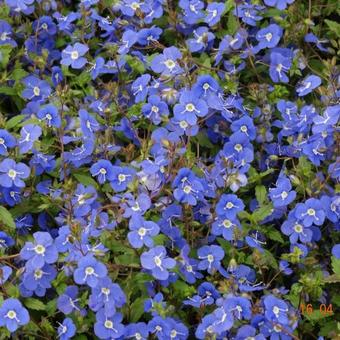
(169, 169)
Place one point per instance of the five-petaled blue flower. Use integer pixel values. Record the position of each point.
(13, 314)
(74, 56)
(157, 262)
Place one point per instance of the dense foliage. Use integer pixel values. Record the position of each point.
(169, 169)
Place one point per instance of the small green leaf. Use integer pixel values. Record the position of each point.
(34, 304)
(137, 309)
(6, 218)
(85, 179)
(11, 123)
(261, 213)
(261, 194)
(334, 27)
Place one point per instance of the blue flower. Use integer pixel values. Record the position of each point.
(245, 332)
(68, 301)
(13, 314)
(36, 89)
(39, 252)
(141, 232)
(190, 107)
(6, 34)
(211, 257)
(157, 262)
(206, 86)
(154, 109)
(5, 273)
(296, 231)
(136, 331)
(202, 40)
(166, 63)
(225, 227)
(249, 13)
(336, 251)
(88, 123)
(276, 310)
(13, 173)
(51, 115)
(279, 66)
(237, 308)
(279, 4)
(283, 194)
(108, 296)
(269, 36)
(39, 279)
(89, 271)
(6, 141)
(307, 85)
(310, 37)
(228, 206)
(244, 126)
(140, 87)
(108, 327)
(192, 10)
(29, 134)
(103, 169)
(67, 329)
(73, 55)
(310, 212)
(121, 177)
(188, 188)
(214, 11)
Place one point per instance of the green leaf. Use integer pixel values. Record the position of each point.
(5, 51)
(135, 64)
(273, 234)
(9, 91)
(334, 27)
(261, 194)
(336, 265)
(34, 304)
(6, 218)
(261, 213)
(137, 309)
(11, 123)
(85, 179)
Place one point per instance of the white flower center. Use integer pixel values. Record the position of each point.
(102, 171)
(158, 261)
(121, 177)
(190, 107)
(89, 271)
(108, 324)
(284, 195)
(141, 231)
(227, 224)
(187, 189)
(11, 314)
(74, 55)
(36, 90)
(311, 212)
(12, 173)
(298, 228)
(40, 249)
(268, 36)
(229, 205)
(170, 63)
(155, 109)
(183, 124)
(238, 147)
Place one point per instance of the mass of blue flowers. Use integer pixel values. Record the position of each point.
(169, 169)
